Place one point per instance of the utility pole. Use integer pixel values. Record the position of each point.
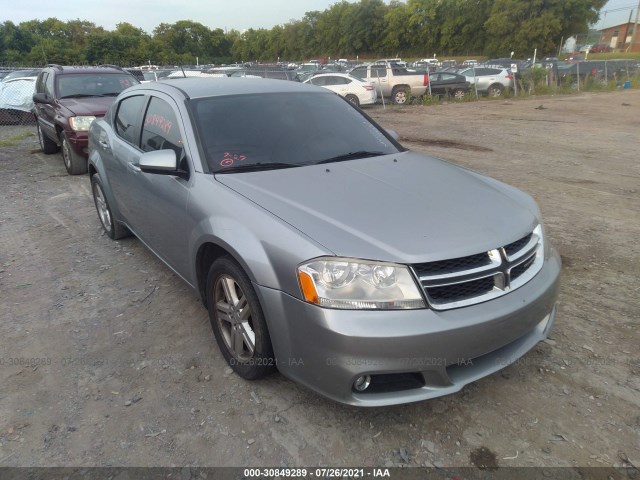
(635, 27)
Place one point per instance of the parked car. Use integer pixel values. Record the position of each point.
(22, 73)
(369, 273)
(600, 49)
(16, 101)
(448, 63)
(67, 100)
(449, 84)
(492, 81)
(574, 58)
(423, 67)
(393, 81)
(353, 89)
(267, 71)
(585, 48)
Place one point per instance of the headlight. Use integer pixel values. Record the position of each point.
(353, 284)
(81, 123)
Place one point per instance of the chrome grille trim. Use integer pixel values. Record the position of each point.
(524, 260)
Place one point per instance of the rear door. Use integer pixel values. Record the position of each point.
(488, 76)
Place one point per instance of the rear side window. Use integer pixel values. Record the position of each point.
(127, 118)
(359, 72)
(160, 129)
(378, 71)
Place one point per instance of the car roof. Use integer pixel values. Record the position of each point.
(65, 70)
(333, 74)
(195, 87)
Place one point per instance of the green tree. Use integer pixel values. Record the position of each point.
(522, 25)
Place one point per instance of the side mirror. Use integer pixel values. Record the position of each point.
(41, 98)
(393, 134)
(159, 161)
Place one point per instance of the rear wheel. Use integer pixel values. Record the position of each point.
(353, 99)
(399, 96)
(75, 164)
(495, 90)
(458, 94)
(237, 320)
(47, 145)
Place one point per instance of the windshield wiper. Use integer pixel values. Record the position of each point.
(254, 167)
(351, 156)
(80, 95)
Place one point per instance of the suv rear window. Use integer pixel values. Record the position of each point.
(90, 85)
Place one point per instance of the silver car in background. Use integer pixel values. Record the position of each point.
(320, 246)
(490, 80)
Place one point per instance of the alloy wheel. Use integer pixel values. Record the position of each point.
(234, 317)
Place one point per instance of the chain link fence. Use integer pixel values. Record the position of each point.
(16, 92)
(18, 86)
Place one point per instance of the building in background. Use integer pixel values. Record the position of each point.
(619, 37)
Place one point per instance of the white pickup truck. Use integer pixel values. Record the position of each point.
(393, 81)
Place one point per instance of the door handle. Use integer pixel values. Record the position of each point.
(104, 144)
(134, 167)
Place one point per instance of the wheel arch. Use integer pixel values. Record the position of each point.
(401, 86)
(208, 253)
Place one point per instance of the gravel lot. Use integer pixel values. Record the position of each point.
(107, 358)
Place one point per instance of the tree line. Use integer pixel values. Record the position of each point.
(367, 28)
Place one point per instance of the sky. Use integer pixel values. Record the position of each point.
(148, 14)
(224, 14)
(615, 12)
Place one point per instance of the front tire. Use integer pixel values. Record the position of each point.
(112, 228)
(237, 320)
(74, 163)
(47, 145)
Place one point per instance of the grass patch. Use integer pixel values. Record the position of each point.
(15, 139)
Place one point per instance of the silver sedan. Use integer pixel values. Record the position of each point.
(320, 246)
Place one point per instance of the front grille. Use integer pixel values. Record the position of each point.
(518, 245)
(517, 271)
(461, 291)
(472, 279)
(453, 265)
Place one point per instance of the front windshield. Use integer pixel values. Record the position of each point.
(284, 129)
(93, 85)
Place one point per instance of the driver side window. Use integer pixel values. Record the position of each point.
(160, 130)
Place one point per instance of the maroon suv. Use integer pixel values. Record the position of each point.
(67, 100)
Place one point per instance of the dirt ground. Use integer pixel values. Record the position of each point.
(108, 359)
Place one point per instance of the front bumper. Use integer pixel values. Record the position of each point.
(413, 354)
(79, 142)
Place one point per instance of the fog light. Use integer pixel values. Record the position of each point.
(362, 383)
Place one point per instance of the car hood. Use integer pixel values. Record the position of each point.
(96, 106)
(404, 208)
